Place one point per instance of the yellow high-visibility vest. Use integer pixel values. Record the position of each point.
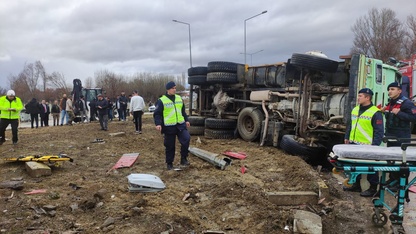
(361, 127)
(172, 112)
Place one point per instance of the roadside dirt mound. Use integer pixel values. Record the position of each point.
(85, 197)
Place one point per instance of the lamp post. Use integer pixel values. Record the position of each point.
(190, 48)
(251, 56)
(245, 35)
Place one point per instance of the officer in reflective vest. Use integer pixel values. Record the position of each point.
(366, 128)
(171, 120)
(10, 107)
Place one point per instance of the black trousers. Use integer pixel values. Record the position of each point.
(34, 117)
(137, 115)
(169, 142)
(3, 125)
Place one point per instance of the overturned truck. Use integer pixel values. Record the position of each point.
(302, 105)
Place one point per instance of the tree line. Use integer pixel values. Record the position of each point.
(380, 34)
(34, 82)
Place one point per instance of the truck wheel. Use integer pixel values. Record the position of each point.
(218, 66)
(291, 146)
(197, 79)
(314, 62)
(220, 123)
(196, 120)
(249, 123)
(196, 130)
(222, 77)
(219, 133)
(196, 71)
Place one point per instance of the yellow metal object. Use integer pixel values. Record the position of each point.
(39, 158)
(346, 184)
(335, 171)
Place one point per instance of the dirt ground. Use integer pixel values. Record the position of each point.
(220, 200)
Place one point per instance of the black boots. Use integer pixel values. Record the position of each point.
(356, 187)
(369, 192)
(169, 166)
(184, 162)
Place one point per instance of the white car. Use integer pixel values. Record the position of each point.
(152, 108)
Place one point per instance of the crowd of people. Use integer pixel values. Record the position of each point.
(64, 111)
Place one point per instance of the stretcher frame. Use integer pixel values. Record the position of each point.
(352, 167)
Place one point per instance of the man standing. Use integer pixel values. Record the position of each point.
(83, 108)
(136, 109)
(10, 107)
(366, 129)
(33, 108)
(55, 113)
(123, 106)
(171, 120)
(44, 114)
(399, 113)
(70, 110)
(102, 105)
(62, 106)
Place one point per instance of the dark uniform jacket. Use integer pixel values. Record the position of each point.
(399, 125)
(158, 117)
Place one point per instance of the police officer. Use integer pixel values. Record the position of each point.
(366, 129)
(10, 107)
(399, 113)
(171, 120)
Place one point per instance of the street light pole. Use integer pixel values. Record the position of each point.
(245, 35)
(190, 47)
(251, 56)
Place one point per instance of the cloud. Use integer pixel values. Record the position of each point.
(78, 37)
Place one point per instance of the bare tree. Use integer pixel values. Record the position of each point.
(40, 71)
(410, 42)
(88, 82)
(57, 80)
(379, 34)
(112, 84)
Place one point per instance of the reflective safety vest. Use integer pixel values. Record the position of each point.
(361, 127)
(172, 112)
(5, 104)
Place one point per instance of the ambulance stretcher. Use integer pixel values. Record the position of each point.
(354, 160)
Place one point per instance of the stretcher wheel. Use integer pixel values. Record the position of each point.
(379, 221)
(335, 171)
(345, 183)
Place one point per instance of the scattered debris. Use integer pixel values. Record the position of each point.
(209, 157)
(237, 155)
(16, 185)
(36, 191)
(117, 134)
(145, 183)
(213, 232)
(74, 186)
(127, 160)
(109, 221)
(243, 169)
(98, 140)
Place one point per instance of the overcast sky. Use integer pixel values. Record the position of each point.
(80, 37)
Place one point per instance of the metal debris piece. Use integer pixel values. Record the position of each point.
(212, 158)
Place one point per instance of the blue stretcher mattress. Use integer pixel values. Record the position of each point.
(371, 152)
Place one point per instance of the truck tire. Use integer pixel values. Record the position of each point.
(222, 77)
(218, 66)
(314, 62)
(196, 130)
(197, 80)
(291, 146)
(196, 71)
(220, 123)
(219, 133)
(196, 120)
(249, 123)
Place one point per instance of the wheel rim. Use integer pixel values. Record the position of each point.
(248, 124)
(379, 222)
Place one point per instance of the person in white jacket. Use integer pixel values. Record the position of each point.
(136, 109)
